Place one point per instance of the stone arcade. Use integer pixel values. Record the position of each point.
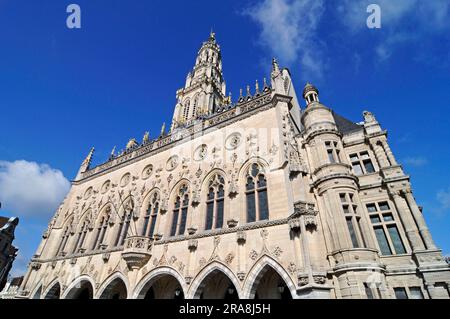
(262, 198)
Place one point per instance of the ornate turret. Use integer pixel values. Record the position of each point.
(204, 90)
(310, 93)
(86, 163)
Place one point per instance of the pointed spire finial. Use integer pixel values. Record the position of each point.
(163, 129)
(240, 92)
(146, 138)
(113, 151)
(257, 86)
(88, 158)
(265, 83)
(275, 66)
(248, 90)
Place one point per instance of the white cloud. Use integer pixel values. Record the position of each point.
(289, 30)
(415, 161)
(444, 199)
(402, 21)
(30, 189)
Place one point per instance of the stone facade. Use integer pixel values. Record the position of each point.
(258, 199)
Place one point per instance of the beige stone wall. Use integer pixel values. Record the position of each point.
(306, 243)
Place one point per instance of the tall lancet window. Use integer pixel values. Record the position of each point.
(124, 224)
(150, 216)
(180, 212)
(187, 105)
(214, 203)
(81, 237)
(102, 229)
(256, 195)
(64, 239)
(195, 106)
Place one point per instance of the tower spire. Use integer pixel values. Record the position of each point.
(86, 163)
(205, 89)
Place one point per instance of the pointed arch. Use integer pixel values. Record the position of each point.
(259, 269)
(82, 230)
(109, 287)
(36, 293)
(213, 192)
(146, 283)
(82, 286)
(101, 226)
(248, 163)
(150, 212)
(53, 290)
(216, 267)
(126, 219)
(180, 197)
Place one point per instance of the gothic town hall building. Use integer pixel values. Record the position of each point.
(268, 197)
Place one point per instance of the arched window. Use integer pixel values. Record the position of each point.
(150, 216)
(64, 240)
(124, 224)
(186, 109)
(256, 195)
(214, 203)
(102, 229)
(180, 212)
(81, 237)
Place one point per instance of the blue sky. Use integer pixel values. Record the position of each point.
(63, 91)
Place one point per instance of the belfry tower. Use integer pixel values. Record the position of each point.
(205, 87)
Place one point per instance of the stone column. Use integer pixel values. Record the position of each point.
(380, 154)
(423, 229)
(296, 229)
(408, 223)
(241, 238)
(388, 152)
(305, 246)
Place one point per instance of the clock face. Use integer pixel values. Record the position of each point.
(233, 141)
(125, 180)
(201, 152)
(172, 163)
(106, 186)
(147, 171)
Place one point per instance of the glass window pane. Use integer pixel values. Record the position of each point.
(357, 169)
(351, 230)
(369, 292)
(219, 217)
(371, 208)
(263, 207)
(364, 155)
(346, 210)
(261, 181)
(396, 240)
(173, 229)
(416, 293)
(342, 197)
(388, 218)
(369, 166)
(144, 229)
(250, 184)
(152, 226)
(251, 214)
(354, 157)
(375, 219)
(331, 156)
(382, 241)
(400, 293)
(209, 215)
(183, 221)
(384, 206)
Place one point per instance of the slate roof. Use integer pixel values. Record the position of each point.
(344, 125)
